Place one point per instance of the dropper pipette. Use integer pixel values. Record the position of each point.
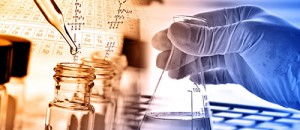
(54, 16)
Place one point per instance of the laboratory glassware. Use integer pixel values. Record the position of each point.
(5, 72)
(120, 63)
(71, 108)
(17, 85)
(179, 104)
(54, 16)
(102, 92)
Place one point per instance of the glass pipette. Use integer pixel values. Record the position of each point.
(54, 16)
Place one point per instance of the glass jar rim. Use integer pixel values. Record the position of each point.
(97, 63)
(75, 66)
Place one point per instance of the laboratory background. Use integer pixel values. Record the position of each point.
(90, 65)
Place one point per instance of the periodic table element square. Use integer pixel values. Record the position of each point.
(112, 45)
(21, 7)
(100, 24)
(17, 30)
(12, 6)
(40, 33)
(5, 28)
(28, 32)
(100, 41)
(89, 11)
(15, 15)
(4, 14)
(87, 40)
(52, 35)
(36, 47)
(26, 16)
(109, 16)
(47, 48)
(88, 22)
(31, 7)
(99, 11)
(60, 50)
(36, 18)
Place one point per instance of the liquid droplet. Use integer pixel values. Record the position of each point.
(73, 51)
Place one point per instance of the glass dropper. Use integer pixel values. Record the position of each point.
(54, 16)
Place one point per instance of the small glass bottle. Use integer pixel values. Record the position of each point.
(102, 92)
(17, 84)
(5, 71)
(120, 63)
(71, 108)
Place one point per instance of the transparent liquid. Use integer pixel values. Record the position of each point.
(175, 121)
(59, 118)
(104, 114)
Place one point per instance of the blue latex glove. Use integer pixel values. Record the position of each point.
(243, 45)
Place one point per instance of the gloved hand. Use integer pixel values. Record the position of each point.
(243, 45)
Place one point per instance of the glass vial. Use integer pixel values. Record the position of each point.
(5, 71)
(17, 85)
(120, 63)
(102, 92)
(71, 108)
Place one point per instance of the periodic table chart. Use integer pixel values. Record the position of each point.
(93, 25)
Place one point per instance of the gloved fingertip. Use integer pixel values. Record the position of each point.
(162, 59)
(160, 41)
(174, 76)
(160, 63)
(179, 33)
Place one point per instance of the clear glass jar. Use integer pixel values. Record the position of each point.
(117, 97)
(102, 93)
(71, 108)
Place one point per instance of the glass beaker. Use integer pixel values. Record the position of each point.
(71, 108)
(179, 104)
